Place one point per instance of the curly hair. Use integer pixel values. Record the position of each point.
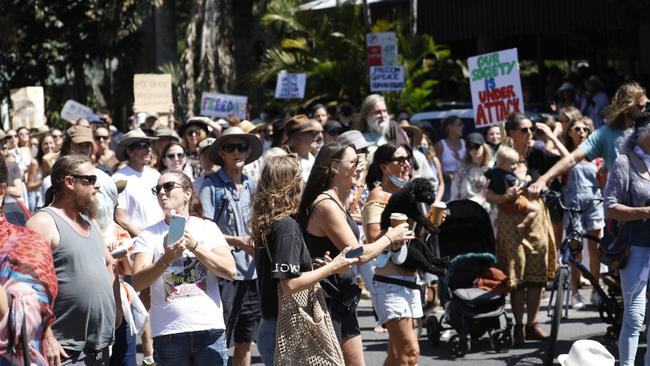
(277, 196)
(625, 97)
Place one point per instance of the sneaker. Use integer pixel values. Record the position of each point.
(577, 302)
(595, 298)
(148, 361)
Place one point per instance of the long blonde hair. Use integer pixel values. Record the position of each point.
(277, 196)
(625, 97)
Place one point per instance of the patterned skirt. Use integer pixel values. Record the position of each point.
(528, 260)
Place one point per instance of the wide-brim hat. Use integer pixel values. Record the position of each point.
(129, 138)
(587, 352)
(163, 131)
(415, 132)
(253, 141)
(250, 127)
(198, 121)
(298, 124)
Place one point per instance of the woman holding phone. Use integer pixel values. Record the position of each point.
(186, 313)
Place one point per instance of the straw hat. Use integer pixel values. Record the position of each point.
(129, 138)
(252, 140)
(250, 127)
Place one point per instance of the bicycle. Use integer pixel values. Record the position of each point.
(609, 309)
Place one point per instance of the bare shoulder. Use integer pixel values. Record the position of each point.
(43, 224)
(378, 194)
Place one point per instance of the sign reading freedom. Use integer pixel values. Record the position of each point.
(495, 86)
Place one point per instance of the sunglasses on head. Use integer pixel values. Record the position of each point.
(140, 145)
(241, 147)
(400, 159)
(175, 156)
(580, 129)
(167, 186)
(90, 179)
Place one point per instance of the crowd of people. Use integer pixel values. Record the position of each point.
(271, 209)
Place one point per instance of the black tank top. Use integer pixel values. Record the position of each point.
(318, 245)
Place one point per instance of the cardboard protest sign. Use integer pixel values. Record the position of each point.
(381, 49)
(290, 86)
(495, 86)
(28, 107)
(73, 110)
(386, 78)
(222, 105)
(152, 92)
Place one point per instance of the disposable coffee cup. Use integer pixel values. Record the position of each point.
(397, 218)
(437, 210)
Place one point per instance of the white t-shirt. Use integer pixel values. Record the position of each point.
(184, 299)
(306, 165)
(141, 205)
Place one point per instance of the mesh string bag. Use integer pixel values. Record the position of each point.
(305, 335)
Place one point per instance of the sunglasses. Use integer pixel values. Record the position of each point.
(98, 137)
(178, 156)
(580, 129)
(57, 136)
(528, 129)
(400, 159)
(167, 186)
(140, 145)
(23, 134)
(473, 146)
(192, 132)
(90, 179)
(229, 148)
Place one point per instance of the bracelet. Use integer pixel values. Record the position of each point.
(162, 259)
(193, 249)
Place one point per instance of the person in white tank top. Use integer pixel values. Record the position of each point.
(451, 149)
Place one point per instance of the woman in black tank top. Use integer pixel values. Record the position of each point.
(328, 229)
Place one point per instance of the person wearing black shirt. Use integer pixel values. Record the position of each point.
(281, 254)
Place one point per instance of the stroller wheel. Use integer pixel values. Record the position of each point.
(460, 347)
(500, 340)
(433, 331)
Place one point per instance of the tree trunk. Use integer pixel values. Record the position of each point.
(189, 56)
(225, 47)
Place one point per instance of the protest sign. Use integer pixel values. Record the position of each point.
(290, 86)
(28, 107)
(73, 110)
(152, 92)
(381, 49)
(222, 105)
(495, 86)
(386, 78)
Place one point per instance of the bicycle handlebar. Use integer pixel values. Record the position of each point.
(551, 195)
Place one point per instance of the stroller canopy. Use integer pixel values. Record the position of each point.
(467, 229)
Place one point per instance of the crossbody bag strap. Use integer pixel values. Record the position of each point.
(224, 200)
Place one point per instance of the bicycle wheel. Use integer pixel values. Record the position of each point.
(561, 280)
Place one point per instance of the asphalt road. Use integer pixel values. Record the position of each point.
(584, 324)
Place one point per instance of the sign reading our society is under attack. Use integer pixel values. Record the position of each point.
(496, 86)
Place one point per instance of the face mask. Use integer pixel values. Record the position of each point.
(424, 150)
(398, 181)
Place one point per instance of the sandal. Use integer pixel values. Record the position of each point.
(535, 333)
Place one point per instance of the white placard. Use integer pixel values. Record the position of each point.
(495, 86)
(290, 86)
(381, 49)
(386, 78)
(152, 92)
(73, 110)
(222, 105)
(28, 107)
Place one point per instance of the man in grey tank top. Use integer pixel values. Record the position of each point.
(85, 305)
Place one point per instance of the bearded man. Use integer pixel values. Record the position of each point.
(373, 121)
(85, 304)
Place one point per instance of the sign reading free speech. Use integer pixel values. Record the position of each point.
(495, 86)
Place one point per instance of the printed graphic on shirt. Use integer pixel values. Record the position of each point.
(190, 280)
(286, 268)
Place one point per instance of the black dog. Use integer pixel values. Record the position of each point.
(406, 200)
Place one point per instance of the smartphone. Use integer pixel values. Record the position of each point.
(176, 229)
(354, 252)
(119, 252)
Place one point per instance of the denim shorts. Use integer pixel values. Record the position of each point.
(199, 348)
(394, 301)
(592, 219)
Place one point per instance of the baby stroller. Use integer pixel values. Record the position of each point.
(467, 237)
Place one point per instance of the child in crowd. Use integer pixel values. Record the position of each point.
(503, 177)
